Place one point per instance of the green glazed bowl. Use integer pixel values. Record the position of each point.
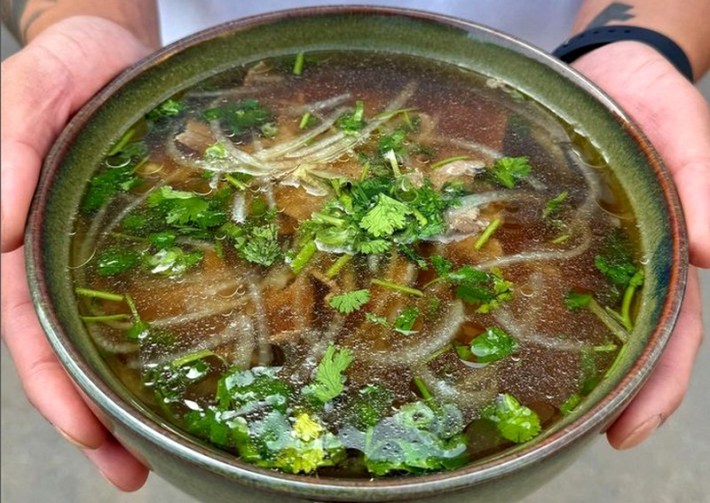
(212, 475)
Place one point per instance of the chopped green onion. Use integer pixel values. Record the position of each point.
(389, 114)
(397, 287)
(487, 233)
(105, 318)
(298, 64)
(612, 322)
(122, 142)
(198, 355)
(423, 390)
(560, 239)
(334, 269)
(97, 294)
(132, 307)
(304, 120)
(365, 170)
(303, 256)
(392, 158)
(234, 181)
(449, 160)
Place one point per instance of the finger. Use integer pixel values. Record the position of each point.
(118, 466)
(42, 86)
(666, 387)
(46, 384)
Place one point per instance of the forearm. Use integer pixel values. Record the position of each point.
(27, 18)
(684, 22)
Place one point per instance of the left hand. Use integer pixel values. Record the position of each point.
(676, 119)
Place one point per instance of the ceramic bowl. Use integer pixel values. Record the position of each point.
(212, 475)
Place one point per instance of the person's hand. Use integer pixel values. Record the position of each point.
(42, 86)
(676, 119)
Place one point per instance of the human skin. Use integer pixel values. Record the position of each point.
(79, 54)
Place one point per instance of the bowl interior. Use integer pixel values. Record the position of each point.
(85, 141)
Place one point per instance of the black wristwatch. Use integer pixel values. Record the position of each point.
(597, 37)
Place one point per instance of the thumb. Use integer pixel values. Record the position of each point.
(43, 85)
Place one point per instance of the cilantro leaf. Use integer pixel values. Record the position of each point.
(418, 438)
(118, 175)
(377, 320)
(615, 261)
(385, 217)
(371, 405)
(173, 261)
(352, 122)
(441, 265)
(493, 345)
(575, 300)
(373, 246)
(168, 108)
(618, 271)
(406, 319)
(115, 260)
(488, 290)
(393, 142)
(242, 117)
(169, 382)
(509, 170)
(181, 208)
(259, 245)
(301, 448)
(163, 239)
(348, 302)
(514, 421)
(553, 205)
(249, 391)
(329, 374)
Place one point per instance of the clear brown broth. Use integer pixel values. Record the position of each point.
(546, 368)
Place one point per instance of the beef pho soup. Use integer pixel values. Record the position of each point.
(356, 264)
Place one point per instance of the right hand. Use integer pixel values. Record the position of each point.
(43, 85)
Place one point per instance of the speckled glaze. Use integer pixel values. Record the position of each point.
(212, 475)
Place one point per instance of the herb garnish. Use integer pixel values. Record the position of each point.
(493, 345)
(329, 374)
(509, 170)
(514, 421)
(349, 302)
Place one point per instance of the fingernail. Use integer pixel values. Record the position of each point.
(642, 432)
(72, 440)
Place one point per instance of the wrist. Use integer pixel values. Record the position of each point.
(28, 19)
(597, 37)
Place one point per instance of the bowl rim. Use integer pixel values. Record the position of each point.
(597, 417)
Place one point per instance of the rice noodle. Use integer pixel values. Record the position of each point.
(515, 328)
(476, 389)
(108, 343)
(221, 308)
(318, 343)
(472, 146)
(264, 352)
(441, 334)
(235, 92)
(323, 104)
(239, 207)
(238, 330)
(591, 178)
(543, 255)
(283, 148)
(248, 163)
(245, 342)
